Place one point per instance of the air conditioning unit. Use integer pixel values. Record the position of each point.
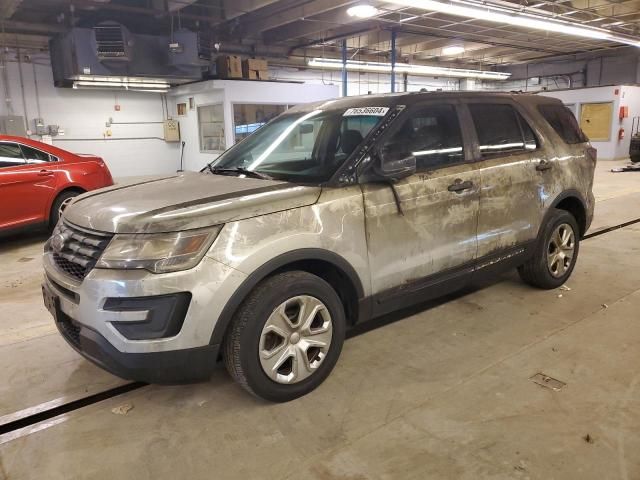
(112, 42)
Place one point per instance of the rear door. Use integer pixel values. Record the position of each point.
(433, 233)
(507, 151)
(26, 186)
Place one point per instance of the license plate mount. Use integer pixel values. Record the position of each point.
(51, 302)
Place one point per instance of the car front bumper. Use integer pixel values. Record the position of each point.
(87, 319)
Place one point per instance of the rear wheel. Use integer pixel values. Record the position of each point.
(286, 337)
(59, 204)
(555, 254)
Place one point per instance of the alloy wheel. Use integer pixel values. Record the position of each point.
(561, 249)
(295, 339)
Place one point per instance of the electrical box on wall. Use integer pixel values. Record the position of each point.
(13, 125)
(171, 131)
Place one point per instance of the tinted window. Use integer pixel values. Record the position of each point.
(501, 130)
(563, 122)
(34, 156)
(10, 155)
(530, 142)
(431, 134)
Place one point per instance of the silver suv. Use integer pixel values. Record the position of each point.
(330, 215)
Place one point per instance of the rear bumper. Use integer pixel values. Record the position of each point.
(170, 367)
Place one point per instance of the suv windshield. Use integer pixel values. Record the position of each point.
(304, 147)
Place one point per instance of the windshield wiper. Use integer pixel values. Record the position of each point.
(240, 170)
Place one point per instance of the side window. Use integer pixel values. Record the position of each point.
(431, 134)
(35, 156)
(530, 141)
(501, 130)
(10, 155)
(563, 122)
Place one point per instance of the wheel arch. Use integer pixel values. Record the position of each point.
(573, 202)
(328, 265)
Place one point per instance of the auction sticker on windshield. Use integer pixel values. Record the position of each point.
(373, 111)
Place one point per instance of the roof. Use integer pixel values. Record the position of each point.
(403, 98)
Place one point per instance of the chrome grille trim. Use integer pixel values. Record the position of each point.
(75, 250)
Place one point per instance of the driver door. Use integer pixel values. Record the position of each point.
(425, 243)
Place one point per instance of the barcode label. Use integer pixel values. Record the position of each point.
(373, 111)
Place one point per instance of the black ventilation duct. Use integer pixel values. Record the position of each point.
(109, 56)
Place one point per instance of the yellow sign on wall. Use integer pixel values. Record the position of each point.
(595, 120)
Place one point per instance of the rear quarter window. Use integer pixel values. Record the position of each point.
(563, 122)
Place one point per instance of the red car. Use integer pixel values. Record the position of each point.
(36, 179)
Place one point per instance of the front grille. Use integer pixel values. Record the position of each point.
(75, 251)
(69, 330)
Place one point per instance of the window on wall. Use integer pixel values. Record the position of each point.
(501, 130)
(596, 119)
(248, 117)
(211, 128)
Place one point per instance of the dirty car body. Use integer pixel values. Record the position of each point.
(396, 199)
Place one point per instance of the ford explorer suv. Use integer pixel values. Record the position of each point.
(330, 215)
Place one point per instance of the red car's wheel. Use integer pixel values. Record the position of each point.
(59, 204)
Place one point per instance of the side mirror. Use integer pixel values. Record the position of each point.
(388, 166)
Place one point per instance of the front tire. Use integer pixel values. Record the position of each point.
(555, 253)
(286, 336)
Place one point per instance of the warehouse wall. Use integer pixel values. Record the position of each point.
(628, 96)
(363, 83)
(619, 67)
(132, 149)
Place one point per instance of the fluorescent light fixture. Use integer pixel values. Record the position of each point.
(453, 50)
(363, 10)
(138, 85)
(520, 19)
(423, 70)
(127, 80)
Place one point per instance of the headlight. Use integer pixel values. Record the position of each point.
(158, 252)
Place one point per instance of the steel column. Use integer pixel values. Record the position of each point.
(344, 67)
(393, 61)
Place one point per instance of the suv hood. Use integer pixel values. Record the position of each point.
(185, 201)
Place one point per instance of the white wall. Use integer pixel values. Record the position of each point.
(630, 97)
(131, 150)
(614, 148)
(229, 92)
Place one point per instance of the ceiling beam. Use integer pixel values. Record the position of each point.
(237, 8)
(307, 27)
(298, 12)
(26, 27)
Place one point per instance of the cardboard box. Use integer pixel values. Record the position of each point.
(229, 66)
(255, 69)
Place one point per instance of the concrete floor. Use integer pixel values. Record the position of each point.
(443, 393)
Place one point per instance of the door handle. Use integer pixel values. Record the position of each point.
(544, 165)
(459, 186)
(45, 173)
